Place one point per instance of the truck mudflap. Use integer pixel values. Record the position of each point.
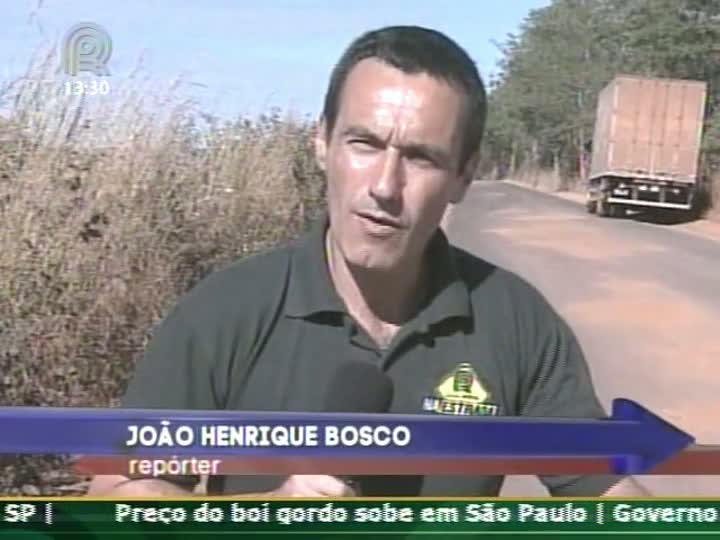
(613, 196)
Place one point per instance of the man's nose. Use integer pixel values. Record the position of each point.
(388, 184)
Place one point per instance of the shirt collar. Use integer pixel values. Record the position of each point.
(311, 290)
(449, 294)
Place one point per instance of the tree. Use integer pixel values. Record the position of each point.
(542, 106)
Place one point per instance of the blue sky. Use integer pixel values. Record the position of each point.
(243, 56)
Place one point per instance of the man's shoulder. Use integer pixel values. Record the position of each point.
(483, 277)
(253, 271)
(502, 297)
(243, 286)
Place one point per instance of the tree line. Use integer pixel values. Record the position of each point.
(542, 102)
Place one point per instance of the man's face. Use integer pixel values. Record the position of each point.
(392, 164)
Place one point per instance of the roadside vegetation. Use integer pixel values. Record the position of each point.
(542, 105)
(109, 214)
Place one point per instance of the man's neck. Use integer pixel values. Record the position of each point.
(380, 301)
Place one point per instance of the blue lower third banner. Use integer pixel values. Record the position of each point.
(633, 440)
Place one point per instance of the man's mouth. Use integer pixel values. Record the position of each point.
(380, 219)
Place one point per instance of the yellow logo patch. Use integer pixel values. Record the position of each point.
(460, 393)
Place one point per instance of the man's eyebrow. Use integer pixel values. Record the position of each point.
(359, 131)
(433, 152)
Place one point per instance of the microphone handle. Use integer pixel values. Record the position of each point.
(353, 482)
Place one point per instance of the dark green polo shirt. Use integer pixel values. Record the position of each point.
(267, 333)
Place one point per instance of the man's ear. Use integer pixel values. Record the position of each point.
(463, 181)
(321, 144)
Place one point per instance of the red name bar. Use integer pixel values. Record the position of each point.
(695, 460)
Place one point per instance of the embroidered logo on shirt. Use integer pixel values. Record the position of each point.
(460, 393)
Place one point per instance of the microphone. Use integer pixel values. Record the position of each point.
(359, 387)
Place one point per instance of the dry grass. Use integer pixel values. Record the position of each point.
(109, 214)
(540, 179)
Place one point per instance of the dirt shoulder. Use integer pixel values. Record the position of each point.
(707, 228)
(643, 302)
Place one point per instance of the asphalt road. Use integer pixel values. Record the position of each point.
(643, 299)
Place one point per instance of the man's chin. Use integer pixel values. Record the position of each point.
(374, 263)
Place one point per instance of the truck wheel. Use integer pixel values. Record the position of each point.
(591, 207)
(603, 208)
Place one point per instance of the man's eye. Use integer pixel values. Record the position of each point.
(362, 143)
(421, 159)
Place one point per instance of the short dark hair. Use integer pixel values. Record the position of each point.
(413, 49)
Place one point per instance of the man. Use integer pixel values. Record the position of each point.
(375, 282)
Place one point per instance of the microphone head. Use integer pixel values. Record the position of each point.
(359, 387)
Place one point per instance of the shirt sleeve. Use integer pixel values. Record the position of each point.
(558, 383)
(174, 373)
